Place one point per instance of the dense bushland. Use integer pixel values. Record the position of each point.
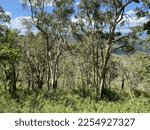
(74, 101)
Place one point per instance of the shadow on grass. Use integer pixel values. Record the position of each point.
(138, 93)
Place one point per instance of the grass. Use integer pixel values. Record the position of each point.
(74, 101)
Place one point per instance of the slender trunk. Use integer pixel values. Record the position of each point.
(5, 79)
(14, 82)
(102, 82)
(48, 80)
(97, 72)
(41, 82)
(48, 72)
(122, 83)
(14, 79)
(103, 73)
(48, 58)
(94, 70)
(54, 83)
(54, 78)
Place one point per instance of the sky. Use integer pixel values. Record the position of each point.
(17, 13)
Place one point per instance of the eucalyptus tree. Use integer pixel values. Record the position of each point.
(144, 12)
(10, 55)
(52, 18)
(96, 24)
(34, 60)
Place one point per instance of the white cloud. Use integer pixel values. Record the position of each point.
(131, 20)
(77, 3)
(130, 13)
(8, 13)
(17, 24)
(134, 21)
(123, 30)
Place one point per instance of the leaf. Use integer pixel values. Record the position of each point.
(136, 1)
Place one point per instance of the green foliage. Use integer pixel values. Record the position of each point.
(136, 1)
(147, 27)
(10, 56)
(71, 101)
(3, 16)
(9, 50)
(143, 69)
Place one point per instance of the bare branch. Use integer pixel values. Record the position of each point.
(117, 48)
(122, 37)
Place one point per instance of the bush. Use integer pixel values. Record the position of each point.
(73, 101)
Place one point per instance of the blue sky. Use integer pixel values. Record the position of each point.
(16, 9)
(17, 12)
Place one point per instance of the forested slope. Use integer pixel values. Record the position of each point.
(77, 61)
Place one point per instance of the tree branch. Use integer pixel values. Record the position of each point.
(117, 48)
(122, 37)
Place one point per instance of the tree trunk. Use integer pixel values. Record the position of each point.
(97, 71)
(54, 78)
(104, 72)
(54, 83)
(102, 85)
(48, 73)
(122, 83)
(14, 79)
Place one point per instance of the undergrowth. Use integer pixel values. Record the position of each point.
(74, 101)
